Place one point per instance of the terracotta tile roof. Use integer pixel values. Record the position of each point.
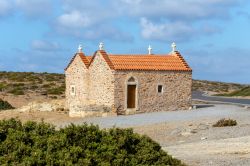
(84, 59)
(89, 58)
(105, 56)
(107, 59)
(172, 62)
(168, 62)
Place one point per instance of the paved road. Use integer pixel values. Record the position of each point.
(200, 96)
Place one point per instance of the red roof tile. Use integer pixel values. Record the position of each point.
(172, 62)
(169, 62)
(84, 59)
(89, 58)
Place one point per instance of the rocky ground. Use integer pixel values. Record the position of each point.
(187, 135)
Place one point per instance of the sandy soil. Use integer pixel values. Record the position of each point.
(230, 151)
(198, 143)
(49, 117)
(22, 100)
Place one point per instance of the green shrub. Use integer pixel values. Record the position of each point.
(53, 97)
(33, 87)
(241, 92)
(46, 86)
(4, 105)
(18, 84)
(2, 86)
(56, 91)
(50, 78)
(225, 122)
(40, 144)
(16, 91)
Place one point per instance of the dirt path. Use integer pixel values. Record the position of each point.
(231, 151)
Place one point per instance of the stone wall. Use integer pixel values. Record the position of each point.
(176, 90)
(77, 75)
(94, 88)
(101, 91)
(101, 81)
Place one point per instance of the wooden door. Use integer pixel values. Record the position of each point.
(131, 96)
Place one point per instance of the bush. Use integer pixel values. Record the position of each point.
(16, 91)
(225, 122)
(2, 86)
(56, 91)
(4, 105)
(40, 144)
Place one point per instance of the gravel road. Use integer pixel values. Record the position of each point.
(209, 111)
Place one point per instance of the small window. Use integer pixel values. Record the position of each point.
(160, 88)
(72, 90)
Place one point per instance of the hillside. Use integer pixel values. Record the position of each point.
(20, 88)
(242, 92)
(217, 87)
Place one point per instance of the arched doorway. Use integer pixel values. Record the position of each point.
(131, 93)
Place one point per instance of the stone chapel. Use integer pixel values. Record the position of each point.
(119, 84)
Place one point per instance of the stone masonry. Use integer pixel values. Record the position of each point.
(176, 90)
(94, 93)
(101, 90)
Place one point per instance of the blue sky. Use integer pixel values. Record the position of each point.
(212, 35)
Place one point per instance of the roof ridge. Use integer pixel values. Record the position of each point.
(139, 55)
(107, 59)
(182, 60)
(105, 56)
(83, 58)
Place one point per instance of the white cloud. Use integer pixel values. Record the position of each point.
(90, 20)
(162, 19)
(133, 2)
(175, 31)
(74, 19)
(5, 7)
(35, 7)
(107, 32)
(181, 9)
(220, 64)
(96, 33)
(41, 45)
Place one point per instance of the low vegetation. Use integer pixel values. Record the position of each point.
(213, 86)
(225, 123)
(4, 105)
(242, 92)
(34, 143)
(21, 83)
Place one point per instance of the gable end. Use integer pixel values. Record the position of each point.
(83, 58)
(105, 57)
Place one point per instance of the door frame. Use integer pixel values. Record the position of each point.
(127, 83)
(131, 96)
